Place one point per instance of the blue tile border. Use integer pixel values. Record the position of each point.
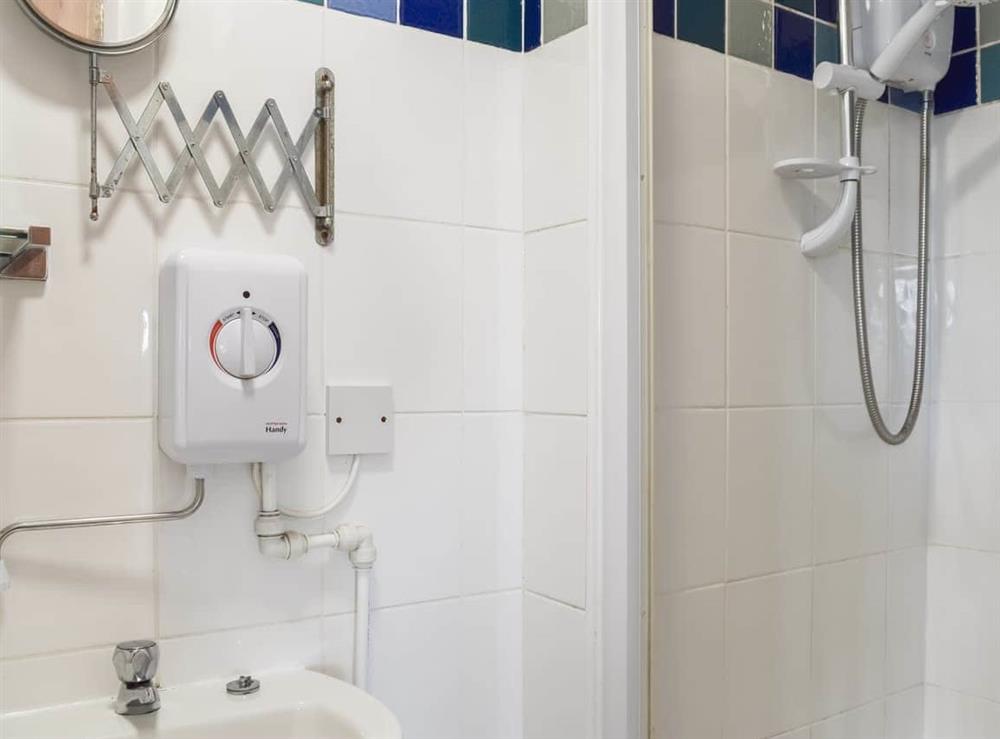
(516, 27)
(805, 34)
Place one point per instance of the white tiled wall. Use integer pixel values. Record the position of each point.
(557, 279)
(963, 565)
(447, 154)
(789, 543)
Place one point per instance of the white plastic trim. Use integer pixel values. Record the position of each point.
(840, 77)
(825, 238)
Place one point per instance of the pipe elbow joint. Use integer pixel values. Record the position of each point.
(359, 542)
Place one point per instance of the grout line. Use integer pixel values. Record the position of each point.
(556, 601)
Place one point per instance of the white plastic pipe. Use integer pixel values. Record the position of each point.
(362, 600)
(893, 56)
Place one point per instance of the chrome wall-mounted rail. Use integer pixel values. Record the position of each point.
(319, 128)
(90, 522)
(24, 253)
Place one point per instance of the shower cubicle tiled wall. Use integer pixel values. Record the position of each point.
(789, 544)
(516, 25)
(795, 35)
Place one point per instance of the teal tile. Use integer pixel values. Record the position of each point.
(702, 22)
(495, 22)
(751, 25)
(989, 24)
(562, 16)
(989, 73)
(314, 2)
(827, 44)
(803, 6)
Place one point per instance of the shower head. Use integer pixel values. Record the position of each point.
(910, 34)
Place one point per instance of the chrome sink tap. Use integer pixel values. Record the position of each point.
(136, 662)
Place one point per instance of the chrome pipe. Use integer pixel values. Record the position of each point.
(95, 80)
(84, 523)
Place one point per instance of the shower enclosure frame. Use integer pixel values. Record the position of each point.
(620, 395)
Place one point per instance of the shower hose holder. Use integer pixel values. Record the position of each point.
(319, 128)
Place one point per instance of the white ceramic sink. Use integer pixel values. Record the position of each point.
(289, 705)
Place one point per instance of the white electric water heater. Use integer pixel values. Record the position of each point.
(232, 357)
(877, 22)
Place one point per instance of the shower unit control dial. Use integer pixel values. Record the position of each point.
(245, 343)
(232, 357)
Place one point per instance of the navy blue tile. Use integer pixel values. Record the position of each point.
(827, 10)
(794, 43)
(965, 29)
(663, 17)
(910, 100)
(958, 88)
(803, 6)
(440, 16)
(532, 24)
(382, 9)
(702, 22)
(827, 44)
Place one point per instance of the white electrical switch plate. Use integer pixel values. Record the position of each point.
(359, 420)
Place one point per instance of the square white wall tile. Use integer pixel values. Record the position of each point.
(556, 320)
(770, 323)
(689, 324)
(867, 722)
(244, 227)
(952, 715)
(211, 574)
(224, 654)
(770, 119)
(82, 344)
(490, 640)
(966, 361)
(687, 664)
(55, 679)
(770, 491)
(555, 507)
(689, 499)
(412, 500)
(768, 681)
(76, 589)
(556, 132)
(461, 677)
(492, 320)
(901, 329)
(493, 187)
(965, 475)
(393, 310)
(689, 134)
(388, 75)
(963, 610)
(849, 635)
(966, 181)
(210, 48)
(556, 659)
(904, 714)
(850, 485)
(416, 666)
(906, 618)
(46, 98)
(837, 377)
(491, 502)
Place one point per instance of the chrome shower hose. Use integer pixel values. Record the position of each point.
(858, 276)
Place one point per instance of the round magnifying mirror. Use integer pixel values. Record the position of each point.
(107, 27)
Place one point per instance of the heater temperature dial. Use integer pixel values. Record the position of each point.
(245, 343)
